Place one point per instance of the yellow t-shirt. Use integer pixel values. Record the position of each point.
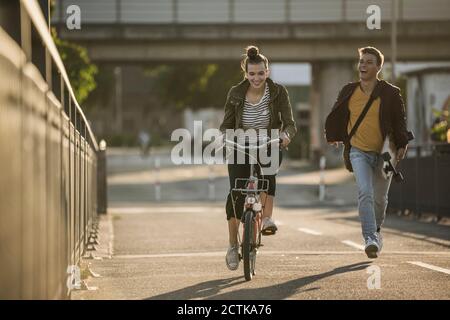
(368, 136)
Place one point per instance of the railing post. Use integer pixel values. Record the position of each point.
(157, 180)
(322, 179)
(101, 179)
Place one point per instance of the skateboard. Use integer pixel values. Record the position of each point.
(389, 155)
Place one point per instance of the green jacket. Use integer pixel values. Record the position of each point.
(279, 106)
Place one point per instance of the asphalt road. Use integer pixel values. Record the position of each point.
(175, 248)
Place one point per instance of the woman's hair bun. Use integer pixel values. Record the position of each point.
(253, 56)
(252, 52)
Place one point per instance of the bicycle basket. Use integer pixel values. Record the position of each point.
(263, 186)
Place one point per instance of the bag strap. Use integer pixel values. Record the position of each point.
(373, 96)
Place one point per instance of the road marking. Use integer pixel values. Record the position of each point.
(310, 231)
(424, 238)
(422, 253)
(271, 253)
(222, 253)
(429, 266)
(353, 244)
(171, 255)
(142, 210)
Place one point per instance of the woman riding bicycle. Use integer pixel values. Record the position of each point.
(255, 103)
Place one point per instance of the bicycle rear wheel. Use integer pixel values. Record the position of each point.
(249, 245)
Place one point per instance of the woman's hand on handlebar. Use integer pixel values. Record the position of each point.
(284, 140)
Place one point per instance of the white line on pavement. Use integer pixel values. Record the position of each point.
(273, 252)
(222, 253)
(429, 266)
(141, 210)
(310, 231)
(353, 244)
(171, 255)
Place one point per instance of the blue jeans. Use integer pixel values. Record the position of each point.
(372, 190)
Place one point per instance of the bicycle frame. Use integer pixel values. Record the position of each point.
(252, 215)
(251, 191)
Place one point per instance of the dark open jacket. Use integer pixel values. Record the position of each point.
(392, 114)
(279, 106)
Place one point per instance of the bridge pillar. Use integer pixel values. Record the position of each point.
(327, 80)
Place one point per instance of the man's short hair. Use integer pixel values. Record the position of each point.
(372, 50)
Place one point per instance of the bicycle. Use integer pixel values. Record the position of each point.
(252, 216)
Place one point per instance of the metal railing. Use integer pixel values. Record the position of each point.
(427, 182)
(48, 161)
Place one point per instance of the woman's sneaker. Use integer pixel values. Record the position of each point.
(232, 258)
(269, 227)
(372, 248)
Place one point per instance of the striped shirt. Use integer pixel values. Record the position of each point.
(257, 116)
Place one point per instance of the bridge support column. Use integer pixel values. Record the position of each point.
(327, 79)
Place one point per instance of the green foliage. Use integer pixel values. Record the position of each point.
(441, 125)
(194, 85)
(122, 140)
(80, 70)
(103, 95)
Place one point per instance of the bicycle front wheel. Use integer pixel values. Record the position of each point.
(249, 245)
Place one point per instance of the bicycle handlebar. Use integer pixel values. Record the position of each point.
(279, 140)
(237, 146)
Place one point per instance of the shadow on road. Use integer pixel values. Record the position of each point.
(412, 229)
(201, 290)
(211, 289)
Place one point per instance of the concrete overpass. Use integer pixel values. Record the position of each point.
(418, 41)
(288, 30)
(325, 33)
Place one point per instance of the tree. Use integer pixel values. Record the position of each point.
(194, 85)
(441, 125)
(80, 70)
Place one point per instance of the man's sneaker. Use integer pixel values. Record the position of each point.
(269, 228)
(372, 249)
(232, 257)
(379, 241)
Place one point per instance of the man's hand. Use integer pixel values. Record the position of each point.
(335, 143)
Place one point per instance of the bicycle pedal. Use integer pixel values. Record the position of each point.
(268, 232)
